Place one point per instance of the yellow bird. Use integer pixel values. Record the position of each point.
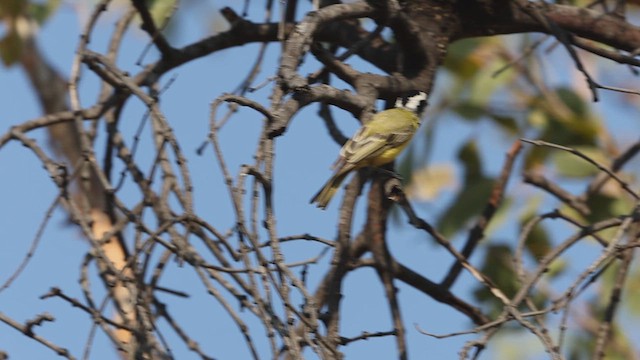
(376, 143)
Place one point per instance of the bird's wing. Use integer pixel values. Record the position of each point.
(366, 145)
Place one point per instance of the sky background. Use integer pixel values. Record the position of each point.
(303, 157)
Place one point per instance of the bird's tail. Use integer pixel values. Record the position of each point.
(325, 194)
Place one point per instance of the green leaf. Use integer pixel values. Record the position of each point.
(632, 291)
(562, 118)
(470, 159)
(538, 243)
(604, 206)
(12, 8)
(428, 182)
(457, 58)
(574, 101)
(572, 166)
(506, 123)
(475, 192)
(42, 12)
(467, 205)
(469, 110)
(537, 118)
(497, 266)
(10, 48)
(557, 268)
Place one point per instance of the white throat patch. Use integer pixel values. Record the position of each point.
(413, 102)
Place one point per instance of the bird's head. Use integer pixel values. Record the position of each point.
(414, 101)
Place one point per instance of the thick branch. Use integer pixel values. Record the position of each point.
(496, 17)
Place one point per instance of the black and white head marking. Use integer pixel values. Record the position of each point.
(415, 101)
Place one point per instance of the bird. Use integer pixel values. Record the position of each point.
(376, 143)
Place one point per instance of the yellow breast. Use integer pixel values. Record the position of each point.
(388, 155)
